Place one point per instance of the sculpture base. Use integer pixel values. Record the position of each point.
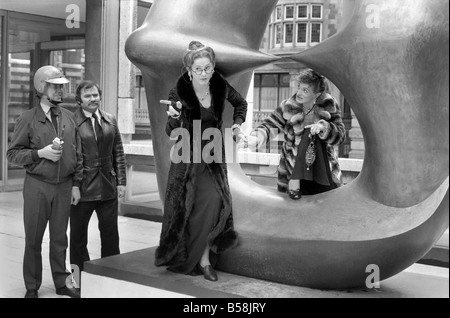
(133, 275)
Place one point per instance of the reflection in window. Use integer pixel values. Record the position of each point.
(20, 99)
(71, 63)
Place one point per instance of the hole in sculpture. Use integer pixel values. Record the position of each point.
(269, 91)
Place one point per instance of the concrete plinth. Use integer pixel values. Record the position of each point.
(133, 275)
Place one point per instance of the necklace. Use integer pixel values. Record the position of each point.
(204, 95)
(310, 110)
(311, 150)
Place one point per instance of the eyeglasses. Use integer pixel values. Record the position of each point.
(199, 71)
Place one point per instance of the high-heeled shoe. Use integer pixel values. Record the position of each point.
(295, 194)
(209, 273)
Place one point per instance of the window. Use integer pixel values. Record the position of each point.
(289, 12)
(306, 28)
(278, 12)
(270, 90)
(302, 12)
(316, 12)
(278, 34)
(316, 33)
(141, 116)
(301, 32)
(289, 33)
(71, 62)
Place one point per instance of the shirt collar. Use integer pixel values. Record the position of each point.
(89, 114)
(45, 108)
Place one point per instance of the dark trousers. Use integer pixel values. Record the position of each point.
(80, 215)
(45, 203)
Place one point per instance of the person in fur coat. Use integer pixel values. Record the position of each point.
(198, 220)
(310, 116)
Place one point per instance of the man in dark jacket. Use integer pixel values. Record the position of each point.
(104, 176)
(45, 144)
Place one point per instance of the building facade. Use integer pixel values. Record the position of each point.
(86, 40)
(295, 26)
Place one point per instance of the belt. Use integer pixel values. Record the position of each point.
(44, 179)
(97, 162)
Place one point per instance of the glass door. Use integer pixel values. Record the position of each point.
(20, 99)
(19, 93)
(34, 41)
(2, 105)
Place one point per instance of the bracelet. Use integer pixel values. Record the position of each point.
(236, 126)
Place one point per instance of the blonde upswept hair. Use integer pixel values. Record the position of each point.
(197, 50)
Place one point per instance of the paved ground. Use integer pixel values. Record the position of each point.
(416, 281)
(134, 235)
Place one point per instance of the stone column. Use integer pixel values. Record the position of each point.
(102, 49)
(110, 55)
(127, 71)
(93, 40)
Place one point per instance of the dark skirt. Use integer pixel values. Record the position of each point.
(316, 178)
(203, 218)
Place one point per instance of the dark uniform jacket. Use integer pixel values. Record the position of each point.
(33, 131)
(104, 166)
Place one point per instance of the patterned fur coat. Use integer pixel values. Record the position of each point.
(172, 250)
(289, 118)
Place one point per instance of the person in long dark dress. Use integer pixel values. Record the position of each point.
(198, 220)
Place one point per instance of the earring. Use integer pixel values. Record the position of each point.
(190, 76)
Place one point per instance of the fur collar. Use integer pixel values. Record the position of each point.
(191, 105)
(327, 103)
(291, 107)
(293, 111)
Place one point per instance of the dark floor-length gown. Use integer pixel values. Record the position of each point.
(207, 205)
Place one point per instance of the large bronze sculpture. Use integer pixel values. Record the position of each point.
(394, 74)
